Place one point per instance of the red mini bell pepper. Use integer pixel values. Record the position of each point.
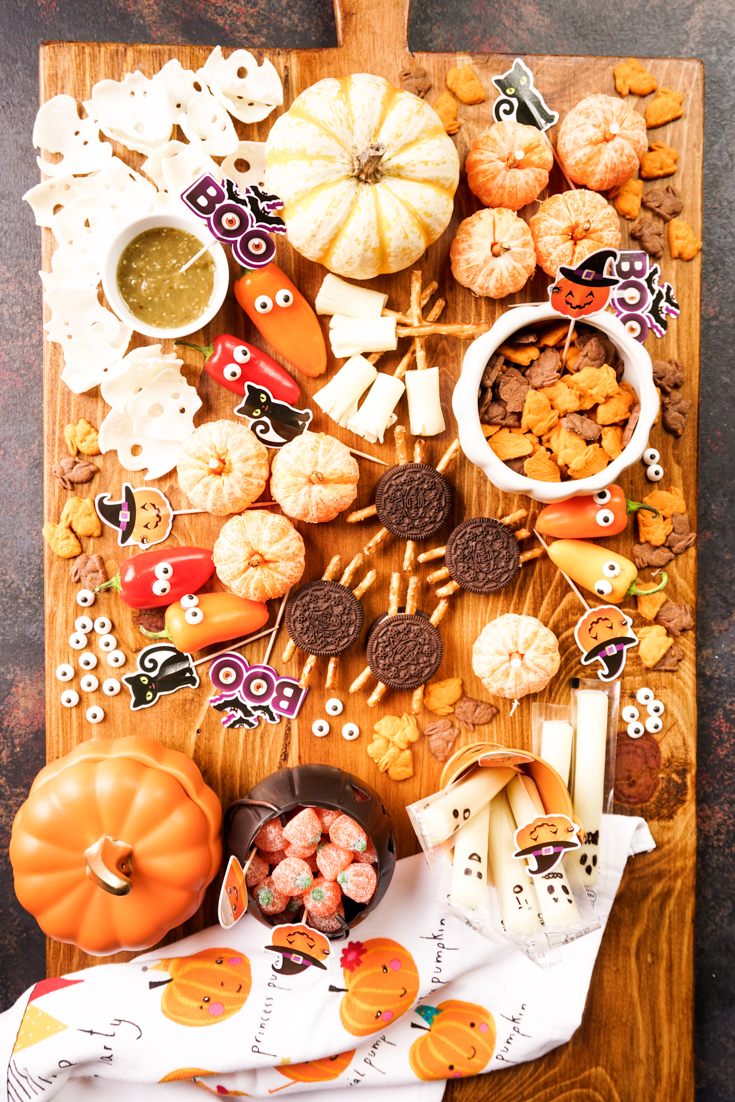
(233, 364)
(588, 517)
(160, 576)
(280, 312)
(195, 622)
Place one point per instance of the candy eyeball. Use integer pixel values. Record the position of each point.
(95, 714)
(161, 587)
(656, 708)
(334, 707)
(189, 600)
(194, 615)
(630, 714)
(602, 497)
(89, 683)
(78, 640)
(85, 598)
(636, 730)
(645, 695)
(87, 660)
(654, 725)
(263, 304)
(602, 589)
(350, 731)
(111, 686)
(115, 658)
(163, 570)
(241, 355)
(284, 297)
(611, 569)
(604, 517)
(69, 698)
(655, 472)
(651, 456)
(108, 642)
(320, 728)
(103, 625)
(64, 672)
(232, 373)
(83, 624)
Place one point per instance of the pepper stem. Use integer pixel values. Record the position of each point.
(206, 350)
(634, 591)
(634, 506)
(113, 583)
(165, 634)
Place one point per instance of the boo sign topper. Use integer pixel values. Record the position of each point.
(246, 694)
(242, 220)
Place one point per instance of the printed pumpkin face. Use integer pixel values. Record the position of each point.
(459, 1042)
(317, 1071)
(575, 300)
(546, 839)
(205, 988)
(382, 982)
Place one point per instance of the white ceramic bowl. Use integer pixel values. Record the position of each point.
(128, 233)
(638, 371)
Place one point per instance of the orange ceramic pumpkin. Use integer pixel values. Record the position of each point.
(508, 165)
(259, 555)
(141, 842)
(317, 1071)
(568, 227)
(382, 982)
(601, 142)
(314, 477)
(459, 1041)
(205, 988)
(493, 253)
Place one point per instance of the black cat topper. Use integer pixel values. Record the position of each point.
(162, 669)
(519, 101)
(274, 423)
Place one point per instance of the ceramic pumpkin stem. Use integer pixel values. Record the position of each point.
(109, 865)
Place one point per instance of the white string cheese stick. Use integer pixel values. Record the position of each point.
(589, 775)
(556, 746)
(446, 815)
(516, 895)
(469, 871)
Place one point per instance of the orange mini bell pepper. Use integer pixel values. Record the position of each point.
(280, 312)
(198, 620)
(599, 569)
(605, 513)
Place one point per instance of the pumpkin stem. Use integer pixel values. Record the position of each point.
(109, 865)
(500, 247)
(333, 988)
(316, 477)
(514, 159)
(255, 560)
(577, 232)
(516, 660)
(216, 465)
(612, 131)
(366, 166)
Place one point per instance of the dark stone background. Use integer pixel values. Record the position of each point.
(672, 28)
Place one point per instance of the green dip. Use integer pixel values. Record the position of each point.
(152, 285)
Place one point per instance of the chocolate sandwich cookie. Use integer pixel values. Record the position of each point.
(482, 555)
(404, 651)
(413, 501)
(324, 618)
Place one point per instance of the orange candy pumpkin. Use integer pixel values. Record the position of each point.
(314, 477)
(259, 555)
(508, 165)
(317, 1071)
(601, 142)
(459, 1042)
(205, 988)
(493, 253)
(568, 227)
(141, 842)
(381, 980)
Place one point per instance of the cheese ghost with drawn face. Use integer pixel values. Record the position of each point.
(469, 871)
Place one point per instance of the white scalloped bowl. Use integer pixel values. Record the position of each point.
(638, 371)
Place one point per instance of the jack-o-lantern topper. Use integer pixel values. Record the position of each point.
(578, 292)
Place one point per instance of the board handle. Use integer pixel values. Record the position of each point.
(359, 21)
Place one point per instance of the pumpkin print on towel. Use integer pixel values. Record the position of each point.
(459, 1041)
(194, 1075)
(205, 988)
(315, 1071)
(381, 980)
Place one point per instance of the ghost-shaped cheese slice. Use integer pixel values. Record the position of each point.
(165, 408)
(246, 166)
(133, 111)
(59, 129)
(249, 91)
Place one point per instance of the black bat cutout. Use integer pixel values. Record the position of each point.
(241, 714)
(519, 99)
(162, 669)
(274, 423)
(259, 203)
(663, 301)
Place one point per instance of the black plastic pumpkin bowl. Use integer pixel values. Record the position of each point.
(313, 786)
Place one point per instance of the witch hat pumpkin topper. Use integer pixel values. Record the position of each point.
(578, 292)
(143, 516)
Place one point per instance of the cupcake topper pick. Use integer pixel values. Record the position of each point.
(242, 219)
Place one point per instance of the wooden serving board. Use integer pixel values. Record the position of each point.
(639, 1011)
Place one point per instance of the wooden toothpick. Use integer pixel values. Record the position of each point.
(569, 580)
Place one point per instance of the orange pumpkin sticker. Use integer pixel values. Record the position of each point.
(459, 1041)
(381, 980)
(205, 988)
(315, 1071)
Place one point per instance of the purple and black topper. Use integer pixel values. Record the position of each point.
(246, 694)
(242, 219)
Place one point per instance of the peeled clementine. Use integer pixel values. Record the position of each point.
(493, 253)
(601, 142)
(508, 165)
(568, 227)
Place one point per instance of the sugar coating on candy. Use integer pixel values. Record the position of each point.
(270, 836)
(332, 860)
(347, 833)
(325, 817)
(273, 858)
(258, 871)
(292, 877)
(358, 882)
(269, 899)
(323, 897)
(328, 924)
(369, 857)
(304, 829)
(300, 851)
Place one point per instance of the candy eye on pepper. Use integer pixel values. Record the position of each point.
(233, 364)
(280, 312)
(160, 576)
(600, 570)
(196, 622)
(589, 516)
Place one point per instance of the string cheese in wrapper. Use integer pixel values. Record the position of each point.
(443, 818)
(556, 746)
(469, 870)
(589, 774)
(516, 895)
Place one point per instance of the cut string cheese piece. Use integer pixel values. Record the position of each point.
(340, 396)
(59, 129)
(338, 297)
(353, 336)
(247, 90)
(424, 403)
(376, 413)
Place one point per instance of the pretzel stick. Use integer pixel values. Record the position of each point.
(379, 691)
(419, 451)
(333, 569)
(417, 319)
(426, 294)
(437, 575)
(409, 556)
(361, 514)
(352, 568)
(463, 332)
(277, 625)
(360, 680)
(394, 595)
(309, 664)
(405, 363)
(429, 556)
(288, 651)
(526, 556)
(412, 595)
(417, 700)
(375, 542)
(448, 456)
(399, 434)
(438, 614)
(513, 518)
(448, 589)
(331, 679)
(365, 584)
(522, 534)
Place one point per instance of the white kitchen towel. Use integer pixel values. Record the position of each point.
(413, 998)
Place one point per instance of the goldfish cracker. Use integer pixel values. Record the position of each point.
(370, 856)
(270, 837)
(269, 899)
(347, 833)
(292, 876)
(332, 860)
(304, 829)
(303, 852)
(326, 817)
(258, 871)
(328, 924)
(358, 882)
(612, 440)
(322, 897)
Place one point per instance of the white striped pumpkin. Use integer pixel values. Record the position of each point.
(366, 173)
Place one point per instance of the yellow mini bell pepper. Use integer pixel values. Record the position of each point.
(598, 569)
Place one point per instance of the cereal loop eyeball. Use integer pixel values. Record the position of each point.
(223, 467)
